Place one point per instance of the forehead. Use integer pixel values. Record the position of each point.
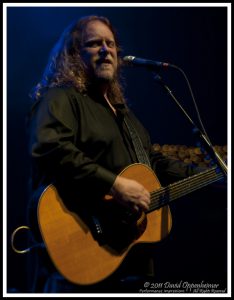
(97, 29)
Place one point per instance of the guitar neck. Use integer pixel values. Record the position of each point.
(165, 195)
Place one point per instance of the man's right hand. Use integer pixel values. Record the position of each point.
(130, 193)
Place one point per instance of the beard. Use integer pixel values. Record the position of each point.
(104, 73)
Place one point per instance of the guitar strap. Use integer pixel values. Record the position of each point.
(142, 156)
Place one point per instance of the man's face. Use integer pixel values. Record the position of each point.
(99, 52)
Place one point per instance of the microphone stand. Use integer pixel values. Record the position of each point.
(205, 141)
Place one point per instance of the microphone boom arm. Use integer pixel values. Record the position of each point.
(205, 140)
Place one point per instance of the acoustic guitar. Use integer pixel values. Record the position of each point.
(86, 254)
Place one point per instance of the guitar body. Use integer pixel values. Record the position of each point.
(71, 245)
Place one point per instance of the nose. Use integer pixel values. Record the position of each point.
(104, 49)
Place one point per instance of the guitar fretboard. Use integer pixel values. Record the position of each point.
(183, 187)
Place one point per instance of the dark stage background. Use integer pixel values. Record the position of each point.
(194, 38)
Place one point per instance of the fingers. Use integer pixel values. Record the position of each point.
(143, 200)
(131, 193)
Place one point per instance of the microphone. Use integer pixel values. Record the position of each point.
(151, 64)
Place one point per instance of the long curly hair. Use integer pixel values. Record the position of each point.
(66, 68)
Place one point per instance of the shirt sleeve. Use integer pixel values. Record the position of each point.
(171, 170)
(53, 145)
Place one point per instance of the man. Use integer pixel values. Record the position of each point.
(80, 136)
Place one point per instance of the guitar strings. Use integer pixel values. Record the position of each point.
(184, 181)
(174, 194)
(157, 202)
(186, 185)
(174, 191)
(189, 180)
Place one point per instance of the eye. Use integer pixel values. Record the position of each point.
(92, 44)
(111, 44)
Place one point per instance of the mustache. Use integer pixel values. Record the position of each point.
(104, 60)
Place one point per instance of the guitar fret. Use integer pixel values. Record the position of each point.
(163, 196)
